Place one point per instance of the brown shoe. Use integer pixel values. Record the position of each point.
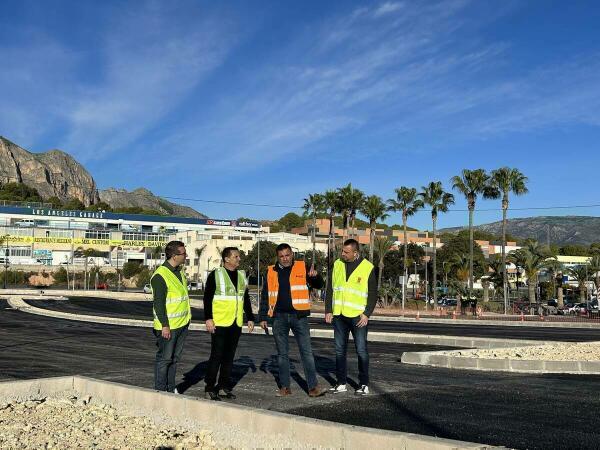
(284, 392)
(317, 391)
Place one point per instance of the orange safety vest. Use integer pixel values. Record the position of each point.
(298, 287)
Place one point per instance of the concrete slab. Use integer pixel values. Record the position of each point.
(180, 410)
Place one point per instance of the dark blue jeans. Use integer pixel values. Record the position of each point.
(168, 355)
(342, 327)
(282, 324)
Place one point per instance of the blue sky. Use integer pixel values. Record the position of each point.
(266, 102)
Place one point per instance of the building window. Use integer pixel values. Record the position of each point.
(95, 234)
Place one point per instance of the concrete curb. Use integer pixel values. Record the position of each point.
(20, 304)
(449, 361)
(137, 296)
(177, 409)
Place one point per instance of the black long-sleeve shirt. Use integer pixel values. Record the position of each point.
(209, 293)
(159, 294)
(372, 295)
(284, 296)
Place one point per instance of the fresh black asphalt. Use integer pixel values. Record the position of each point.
(513, 410)
(143, 310)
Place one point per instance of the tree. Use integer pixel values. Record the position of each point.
(131, 269)
(459, 244)
(198, 251)
(394, 261)
(313, 205)
(19, 192)
(383, 244)
(470, 183)
(581, 275)
(532, 258)
(349, 201)
(156, 252)
(74, 203)
(594, 269)
(55, 202)
(438, 200)
(407, 201)
(100, 206)
(373, 209)
(502, 182)
(574, 250)
(268, 256)
(330, 203)
(291, 220)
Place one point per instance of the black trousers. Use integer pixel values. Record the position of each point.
(223, 343)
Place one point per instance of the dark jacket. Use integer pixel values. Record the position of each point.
(371, 299)
(159, 294)
(209, 293)
(284, 297)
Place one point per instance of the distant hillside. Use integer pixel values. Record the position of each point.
(143, 198)
(582, 230)
(57, 174)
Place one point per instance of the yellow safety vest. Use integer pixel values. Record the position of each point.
(350, 296)
(228, 302)
(178, 308)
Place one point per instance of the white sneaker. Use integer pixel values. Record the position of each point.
(338, 389)
(363, 390)
(175, 391)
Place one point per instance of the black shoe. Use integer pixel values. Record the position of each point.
(212, 395)
(228, 393)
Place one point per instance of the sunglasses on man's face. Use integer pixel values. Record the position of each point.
(179, 254)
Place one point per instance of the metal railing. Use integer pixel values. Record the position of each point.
(25, 204)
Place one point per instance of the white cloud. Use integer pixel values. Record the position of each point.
(387, 8)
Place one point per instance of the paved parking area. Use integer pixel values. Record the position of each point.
(518, 411)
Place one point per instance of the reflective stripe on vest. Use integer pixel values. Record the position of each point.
(298, 287)
(350, 296)
(177, 302)
(228, 301)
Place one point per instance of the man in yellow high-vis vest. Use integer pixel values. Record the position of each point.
(172, 315)
(350, 301)
(226, 299)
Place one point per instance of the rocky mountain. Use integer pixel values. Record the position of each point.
(53, 173)
(143, 198)
(560, 230)
(56, 173)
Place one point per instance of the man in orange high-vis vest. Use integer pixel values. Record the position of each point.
(285, 299)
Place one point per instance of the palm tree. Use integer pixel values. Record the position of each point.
(330, 204)
(495, 272)
(554, 269)
(407, 201)
(198, 251)
(438, 200)
(471, 183)
(156, 252)
(594, 269)
(313, 205)
(344, 206)
(503, 182)
(580, 273)
(373, 209)
(532, 258)
(356, 201)
(383, 244)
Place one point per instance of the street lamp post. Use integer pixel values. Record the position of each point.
(415, 282)
(6, 252)
(426, 288)
(118, 273)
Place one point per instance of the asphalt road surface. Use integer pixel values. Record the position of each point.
(143, 310)
(514, 410)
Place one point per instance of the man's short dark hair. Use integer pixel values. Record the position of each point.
(282, 247)
(227, 251)
(172, 248)
(353, 243)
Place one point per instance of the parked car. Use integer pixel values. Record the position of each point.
(103, 286)
(446, 302)
(147, 289)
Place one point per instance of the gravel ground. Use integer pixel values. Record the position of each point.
(58, 423)
(584, 351)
